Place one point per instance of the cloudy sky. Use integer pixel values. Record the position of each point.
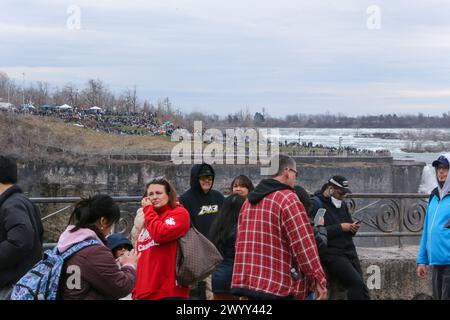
(287, 56)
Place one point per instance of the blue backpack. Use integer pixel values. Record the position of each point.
(42, 281)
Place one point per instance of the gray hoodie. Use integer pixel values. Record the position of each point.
(446, 187)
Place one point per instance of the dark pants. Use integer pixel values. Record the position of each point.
(346, 271)
(198, 292)
(5, 292)
(441, 282)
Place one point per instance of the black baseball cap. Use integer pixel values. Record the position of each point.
(206, 171)
(340, 182)
(441, 160)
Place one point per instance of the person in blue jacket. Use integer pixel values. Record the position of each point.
(435, 244)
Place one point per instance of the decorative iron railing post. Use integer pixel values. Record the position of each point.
(400, 221)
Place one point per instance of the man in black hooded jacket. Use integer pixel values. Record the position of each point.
(203, 204)
(20, 229)
(340, 259)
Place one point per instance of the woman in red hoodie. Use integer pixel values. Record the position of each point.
(165, 222)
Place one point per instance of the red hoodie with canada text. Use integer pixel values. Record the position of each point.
(157, 245)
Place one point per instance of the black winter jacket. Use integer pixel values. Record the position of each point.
(21, 235)
(338, 241)
(202, 207)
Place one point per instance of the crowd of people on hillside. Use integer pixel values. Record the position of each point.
(320, 149)
(146, 123)
(132, 123)
(276, 241)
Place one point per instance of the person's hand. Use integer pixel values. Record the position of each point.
(321, 292)
(350, 227)
(128, 258)
(354, 227)
(421, 270)
(346, 227)
(321, 221)
(145, 202)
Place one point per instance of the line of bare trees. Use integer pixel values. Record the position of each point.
(96, 93)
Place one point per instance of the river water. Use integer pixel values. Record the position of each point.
(370, 139)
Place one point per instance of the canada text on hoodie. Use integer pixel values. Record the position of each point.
(157, 246)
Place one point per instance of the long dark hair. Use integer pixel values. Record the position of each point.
(88, 210)
(168, 187)
(226, 220)
(243, 181)
(305, 199)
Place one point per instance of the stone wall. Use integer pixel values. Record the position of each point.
(127, 177)
(390, 273)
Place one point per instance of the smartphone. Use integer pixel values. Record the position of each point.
(357, 221)
(320, 213)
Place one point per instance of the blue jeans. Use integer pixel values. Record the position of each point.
(311, 296)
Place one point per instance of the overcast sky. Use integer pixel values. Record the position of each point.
(287, 56)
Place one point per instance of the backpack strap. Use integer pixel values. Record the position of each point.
(77, 247)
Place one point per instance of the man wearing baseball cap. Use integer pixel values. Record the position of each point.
(203, 204)
(435, 244)
(340, 259)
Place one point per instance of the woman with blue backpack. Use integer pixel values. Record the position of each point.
(93, 272)
(81, 266)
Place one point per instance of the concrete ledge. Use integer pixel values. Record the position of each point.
(390, 273)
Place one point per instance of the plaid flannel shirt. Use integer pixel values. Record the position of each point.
(273, 236)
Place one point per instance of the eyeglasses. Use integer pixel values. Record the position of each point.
(295, 171)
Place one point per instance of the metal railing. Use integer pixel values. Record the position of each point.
(397, 215)
(389, 214)
(124, 225)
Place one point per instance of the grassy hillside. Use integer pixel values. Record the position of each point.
(34, 137)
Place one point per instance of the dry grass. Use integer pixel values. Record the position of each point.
(28, 135)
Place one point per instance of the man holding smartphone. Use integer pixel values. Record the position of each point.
(340, 259)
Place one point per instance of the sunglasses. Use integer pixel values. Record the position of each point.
(295, 171)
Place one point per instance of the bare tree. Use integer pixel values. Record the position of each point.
(130, 99)
(5, 86)
(70, 94)
(148, 107)
(94, 93)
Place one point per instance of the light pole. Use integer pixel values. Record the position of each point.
(23, 88)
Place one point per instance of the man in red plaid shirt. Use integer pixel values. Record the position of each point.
(276, 253)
